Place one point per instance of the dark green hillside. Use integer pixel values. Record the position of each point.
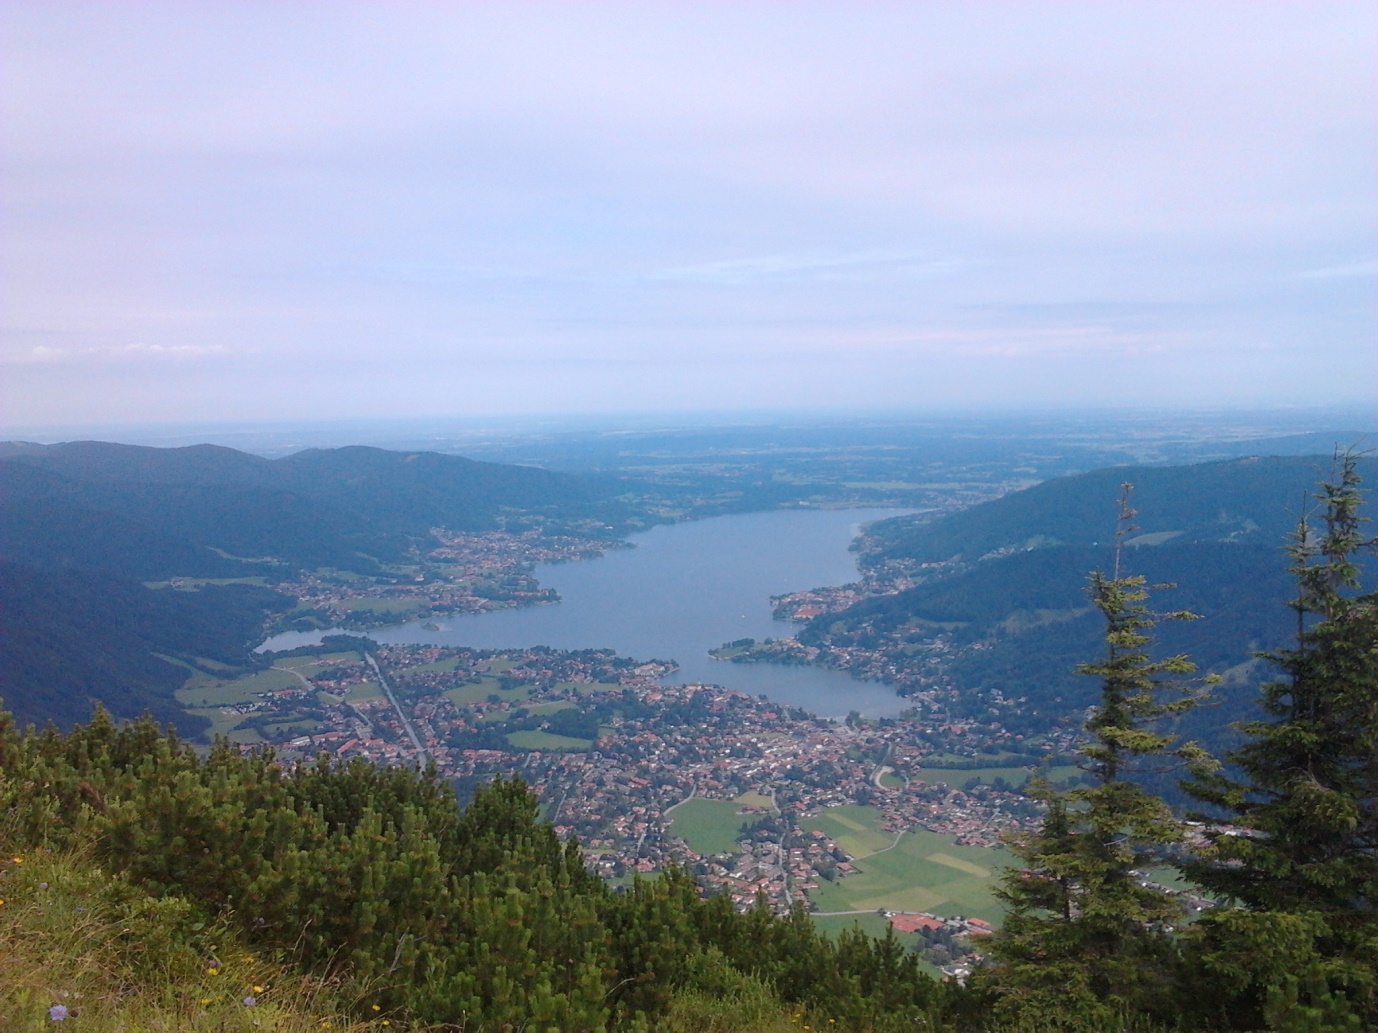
(81, 524)
(411, 492)
(1254, 500)
(1032, 618)
(347, 507)
(94, 461)
(151, 530)
(478, 920)
(73, 637)
(1014, 613)
(51, 522)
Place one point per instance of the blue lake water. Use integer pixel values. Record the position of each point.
(683, 590)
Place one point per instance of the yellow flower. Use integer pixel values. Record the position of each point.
(17, 860)
(212, 971)
(376, 1008)
(205, 1000)
(258, 989)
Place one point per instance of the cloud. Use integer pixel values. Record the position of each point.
(417, 194)
(44, 354)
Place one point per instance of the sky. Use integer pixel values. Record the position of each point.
(269, 210)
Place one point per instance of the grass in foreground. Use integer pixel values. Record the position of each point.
(82, 950)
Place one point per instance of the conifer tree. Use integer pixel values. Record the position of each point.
(1303, 875)
(1085, 939)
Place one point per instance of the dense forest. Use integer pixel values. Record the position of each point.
(1008, 584)
(84, 525)
(419, 914)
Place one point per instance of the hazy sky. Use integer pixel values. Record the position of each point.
(264, 210)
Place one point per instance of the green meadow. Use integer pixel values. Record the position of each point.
(1014, 776)
(205, 691)
(533, 740)
(924, 871)
(708, 826)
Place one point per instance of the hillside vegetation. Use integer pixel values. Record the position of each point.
(1008, 594)
(480, 919)
(83, 525)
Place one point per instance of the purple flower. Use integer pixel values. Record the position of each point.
(57, 1012)
(249, 1002)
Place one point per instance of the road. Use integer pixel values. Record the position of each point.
(421, 754)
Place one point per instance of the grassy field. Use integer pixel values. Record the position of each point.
(855, 829)
(226, 724)
(708, 826)
(925, 871)
(191, 584)
(364, 690)
(546, 741)
(465, 695)
(754, 799)
(1015, 776)
(392, 606)
(587, 687)
(205, 691)
(551, 708)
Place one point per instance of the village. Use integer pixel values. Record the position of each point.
(466, 572)
(613, 754)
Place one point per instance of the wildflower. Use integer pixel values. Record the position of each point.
(250, 1001)
(43, 885)
(58, 1012)
(376, 1008)
(205, 1000)
(17, 860)
(258, 989)
(212, 971)
(2, 901)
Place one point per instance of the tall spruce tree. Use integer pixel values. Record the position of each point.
(1086, 939)
(1300, 943)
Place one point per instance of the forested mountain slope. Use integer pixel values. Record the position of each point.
(177, 511)
(1256, 500)
(84, 524)
(1009, 594)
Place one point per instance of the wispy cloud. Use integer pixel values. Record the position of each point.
(45, 354)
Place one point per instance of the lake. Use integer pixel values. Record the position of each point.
(683, 590)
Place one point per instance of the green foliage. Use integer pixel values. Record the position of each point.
(76, 936)
(1306, 871)
(481, 918)
(71, 637)
(1085, 937)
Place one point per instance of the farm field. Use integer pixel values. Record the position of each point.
(854, 828)
(923, 871)
(710, 826)
(1015, 776)
(204, 691)
(532, 740)
(477, 692)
